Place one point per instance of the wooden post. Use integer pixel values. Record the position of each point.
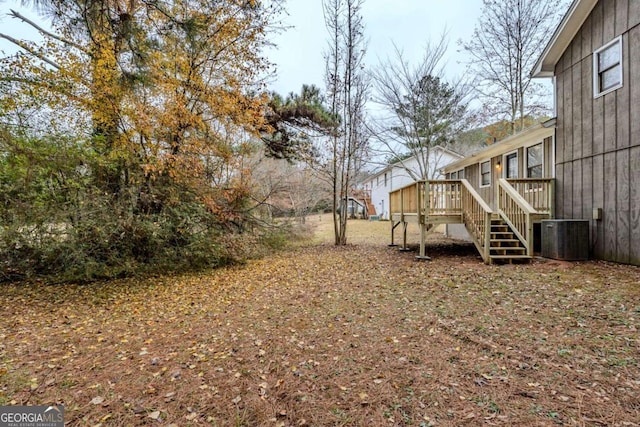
(423, 212)
(393, 227)
(423, 243)
(552, 198)
(487, 238)
(529, 235)
(404, 247)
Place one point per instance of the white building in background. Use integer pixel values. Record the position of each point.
(398, 174)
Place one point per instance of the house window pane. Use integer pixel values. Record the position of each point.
(607, 67)
(610, 78)
(534, 161)
(485, 173)
(608, 57)
(512, 165)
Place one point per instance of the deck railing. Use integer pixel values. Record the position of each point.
(429, 200)
(518, 212)
(520, 202)
(405, 200)
(538, 192)
(444, 197)
(476, 215)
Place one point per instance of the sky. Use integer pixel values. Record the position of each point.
(409, 24)
(298, 51)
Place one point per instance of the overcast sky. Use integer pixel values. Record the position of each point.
(410, 24)
(298, 54)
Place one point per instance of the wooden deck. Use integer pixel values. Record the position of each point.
(505, 234)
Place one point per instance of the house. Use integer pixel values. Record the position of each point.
(590, 168)
(594, 59)
(401, 173)
(528, 154)
(497, 197)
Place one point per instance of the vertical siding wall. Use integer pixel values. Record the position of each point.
(598, 140)
(472, 172)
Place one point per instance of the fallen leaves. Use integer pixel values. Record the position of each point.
(332, 336)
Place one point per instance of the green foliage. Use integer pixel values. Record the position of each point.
(58, 221)
(435, 111)
(290, 121)
(163, 106)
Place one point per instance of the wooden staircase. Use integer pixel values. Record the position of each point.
(504, 234)
(504, 245)
(371, 210)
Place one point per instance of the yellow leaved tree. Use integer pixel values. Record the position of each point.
(162, 103)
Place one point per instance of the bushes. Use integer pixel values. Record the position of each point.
(60, 222)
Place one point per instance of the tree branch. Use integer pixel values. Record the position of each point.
(45, 32)
(26, 47)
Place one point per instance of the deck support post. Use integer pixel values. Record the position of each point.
(423, 243)
(393, 227)
(404, 247)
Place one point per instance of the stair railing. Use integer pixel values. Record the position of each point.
(538, 192)
(518, 213)
(476, 215)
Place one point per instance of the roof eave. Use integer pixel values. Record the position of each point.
(512, 142)
(567, 29)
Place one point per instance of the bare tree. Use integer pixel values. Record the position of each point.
(283, 186)
(421, 110)
(507, 41)
(347, 88)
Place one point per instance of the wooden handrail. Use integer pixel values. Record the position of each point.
(538, 192)
(476, 215)
(516, 212)
(443, 197)
(520, 202)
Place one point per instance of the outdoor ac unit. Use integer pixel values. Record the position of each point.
(565, 239)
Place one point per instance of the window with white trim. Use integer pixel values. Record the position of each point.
(485, 173)
(534, 161)
(607, 68)
(511, 165)
(457, 174)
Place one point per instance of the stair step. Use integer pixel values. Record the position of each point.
(506, 247)
(510, 257)
(506, 251)
(505, 241)
(508, 234)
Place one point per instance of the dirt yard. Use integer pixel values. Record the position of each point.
(361, 335)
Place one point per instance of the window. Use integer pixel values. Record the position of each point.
(511, 165)
(457, 174)
(534, 161)
(385, 179)
(485, 174)
(607, 68)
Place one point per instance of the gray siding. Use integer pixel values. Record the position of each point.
(598, 140)
(472, 172)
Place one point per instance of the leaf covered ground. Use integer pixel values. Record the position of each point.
(361, 335)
